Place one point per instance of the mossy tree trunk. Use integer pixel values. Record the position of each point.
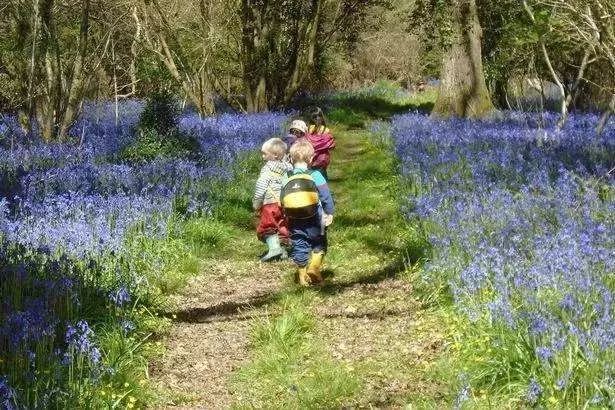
(463, 91)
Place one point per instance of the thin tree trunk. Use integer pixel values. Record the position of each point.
(133, 52)
(575, 86)
(176, 62)
(604, 119)
(304, 63)
(554, 76)
(463, 91)
(33, 62)
(254, 35)
(76, 82)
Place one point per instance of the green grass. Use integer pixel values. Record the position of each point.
(356, 109)
(289, 369)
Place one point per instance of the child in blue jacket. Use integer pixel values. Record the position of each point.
(309, 208)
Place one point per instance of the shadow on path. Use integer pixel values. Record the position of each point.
(240, 309)
(226, 309)
(391, 270)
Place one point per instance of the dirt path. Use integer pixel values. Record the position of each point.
(210, 336)
(366, 316)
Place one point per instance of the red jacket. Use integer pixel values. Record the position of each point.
(323, 142)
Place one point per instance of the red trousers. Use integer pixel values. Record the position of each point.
(271, 222)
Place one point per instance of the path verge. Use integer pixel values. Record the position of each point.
(245, 336)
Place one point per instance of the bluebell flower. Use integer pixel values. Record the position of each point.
(127, 326)
(462, 396)
(544, 353)
(562, 382)
(79, 338)
(120, 296)
(7, 394)
(534, 391)
(517, 223)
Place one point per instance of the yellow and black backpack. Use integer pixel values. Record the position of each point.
(299, 196)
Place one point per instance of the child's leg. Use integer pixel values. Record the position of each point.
(267, 231)
(319, 247)
(300, 250)
(269, 221)
(300, 253)
(281, 225)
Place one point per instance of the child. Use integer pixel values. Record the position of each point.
(308, 205)
(322, 140)
(272, 228)
(318, 135)
(297, 130)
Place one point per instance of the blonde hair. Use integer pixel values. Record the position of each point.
(301, 151)
(275, 146)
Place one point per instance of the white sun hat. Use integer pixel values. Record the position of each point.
(299, 125)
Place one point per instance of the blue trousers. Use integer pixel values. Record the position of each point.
(305, 237)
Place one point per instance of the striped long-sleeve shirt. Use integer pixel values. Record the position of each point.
(269, 183)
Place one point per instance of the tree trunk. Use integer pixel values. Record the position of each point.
(256, 95)
(253, 55)
(499, 93)
(463, 91)
(74, 89)
(304, 62)
(170, 51)
(604, 119)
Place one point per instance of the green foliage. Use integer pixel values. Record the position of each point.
(158, 134)
(290, 369)
(357, 108)
(160, 113)
(206, 232)
(128, 355)
(347, 117)
(153, 75)
(232, 203)
(151, 145)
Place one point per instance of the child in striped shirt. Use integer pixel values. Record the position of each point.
(272, 227)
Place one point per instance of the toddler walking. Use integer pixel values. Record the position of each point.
(309, 208)
(322, 140)
(319, 136)
(272, 228)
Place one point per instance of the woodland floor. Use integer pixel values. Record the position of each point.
(368, 328)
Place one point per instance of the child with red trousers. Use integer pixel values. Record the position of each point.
(272, 227)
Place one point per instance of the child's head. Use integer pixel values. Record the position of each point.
(318, 117)
(298, 128)
(301, 151)
(273, 149)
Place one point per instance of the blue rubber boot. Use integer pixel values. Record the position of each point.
(275, 250)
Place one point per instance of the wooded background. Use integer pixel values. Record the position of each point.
(256, 55)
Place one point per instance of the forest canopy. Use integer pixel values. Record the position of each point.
(257, 55)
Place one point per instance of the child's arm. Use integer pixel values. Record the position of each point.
(261, 188)
(323, 193)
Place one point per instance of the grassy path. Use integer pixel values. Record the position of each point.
(246, 336)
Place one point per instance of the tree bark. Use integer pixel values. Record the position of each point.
(604, 119)
(304, 61)
(463, 91)
(177, 62)
(573, 90)
(254, 57)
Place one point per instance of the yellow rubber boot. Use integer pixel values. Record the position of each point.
(315, 266)
(302, 276)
